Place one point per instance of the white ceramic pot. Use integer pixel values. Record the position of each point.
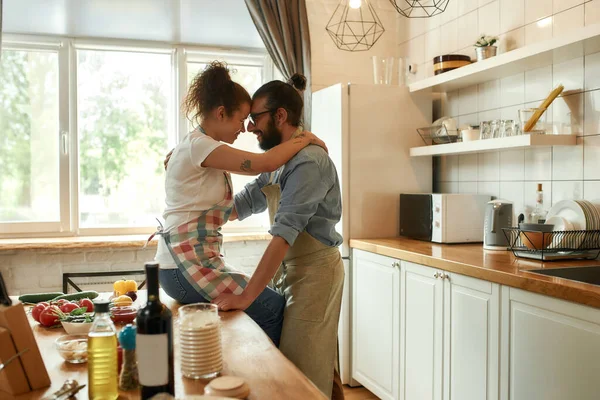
(485, 52)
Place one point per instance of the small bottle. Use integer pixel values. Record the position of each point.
(128, 378)
(102, 355)
(538, 215)
(154, 342)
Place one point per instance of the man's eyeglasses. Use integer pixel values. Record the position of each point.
(252, 117)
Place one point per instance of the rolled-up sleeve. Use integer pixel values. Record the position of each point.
(251, 200)
(303, 191)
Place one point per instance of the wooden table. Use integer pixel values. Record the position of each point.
(247, 353)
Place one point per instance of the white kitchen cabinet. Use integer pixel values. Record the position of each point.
(471, 338)
(450, 336)
(376, 323)
(553, 348)
(422, 334)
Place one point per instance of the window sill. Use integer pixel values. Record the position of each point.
(88, 242)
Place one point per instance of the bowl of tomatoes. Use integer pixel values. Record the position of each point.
(52, 313)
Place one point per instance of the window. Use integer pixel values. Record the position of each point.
(29, 138)
(251, 78)
(123, 101)
(85, 126)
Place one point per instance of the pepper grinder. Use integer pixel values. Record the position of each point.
(128, 380)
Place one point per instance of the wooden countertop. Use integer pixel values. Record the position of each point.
(247, 353)
(495, 266)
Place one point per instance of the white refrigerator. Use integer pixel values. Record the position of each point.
(369, 130)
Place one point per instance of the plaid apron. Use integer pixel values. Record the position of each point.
(196, 249)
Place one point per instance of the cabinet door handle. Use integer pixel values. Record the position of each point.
(446, 276)
(437, 275)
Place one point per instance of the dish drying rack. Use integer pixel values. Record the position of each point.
(556, 245)
(438, 134)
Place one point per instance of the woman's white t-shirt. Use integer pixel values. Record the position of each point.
(190, 188)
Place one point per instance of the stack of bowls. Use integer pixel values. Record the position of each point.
(200, 341)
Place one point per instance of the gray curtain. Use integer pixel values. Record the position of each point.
(283, 27)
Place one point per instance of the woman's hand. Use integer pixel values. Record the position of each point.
(314, 139)
(230, 302)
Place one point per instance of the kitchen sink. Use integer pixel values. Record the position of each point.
(580, 274)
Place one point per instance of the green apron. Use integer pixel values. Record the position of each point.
(311, 278)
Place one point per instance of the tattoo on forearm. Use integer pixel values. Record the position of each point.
(246, 166)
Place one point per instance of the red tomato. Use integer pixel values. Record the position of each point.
(48, 317)
(68, 307)
(60, 302)
(37, 310)
(87, 303)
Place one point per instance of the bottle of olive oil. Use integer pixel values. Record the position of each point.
(154, 342)
(102, 355)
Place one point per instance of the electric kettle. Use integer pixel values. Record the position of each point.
(498, 215)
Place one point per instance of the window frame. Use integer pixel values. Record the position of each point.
(60, 47)
(67, 47)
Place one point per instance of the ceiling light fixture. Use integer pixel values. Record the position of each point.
(420, 8)
(354, 29)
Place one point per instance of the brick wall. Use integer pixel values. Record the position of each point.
(31, 271)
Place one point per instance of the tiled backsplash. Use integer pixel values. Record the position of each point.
(564, 171)
(516, 22)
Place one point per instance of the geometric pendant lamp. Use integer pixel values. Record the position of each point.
(354, 25)
(420, 8)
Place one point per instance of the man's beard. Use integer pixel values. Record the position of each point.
(271, 136)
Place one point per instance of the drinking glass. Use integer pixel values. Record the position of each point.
(507, 128)
(383, 68)
(485, 130)
(200, 350)
(526, 114)
(495, 129)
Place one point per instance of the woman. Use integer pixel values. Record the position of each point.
(199, 197)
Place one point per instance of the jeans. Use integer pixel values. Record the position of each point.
(266, 310)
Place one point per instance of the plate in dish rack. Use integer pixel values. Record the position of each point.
(571, 211)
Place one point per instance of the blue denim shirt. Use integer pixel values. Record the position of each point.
(310, 198)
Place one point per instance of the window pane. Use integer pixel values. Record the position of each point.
(251, 79)
(29, 134)
(123, 113)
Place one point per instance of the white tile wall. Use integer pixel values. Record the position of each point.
(566, 172)
(467, 25)
(538, 83)
(591, 190)
(467, 167)
(567, 21)
(489, 95)
(512, 14)
(489, 18)
(592, 12)
(570, 74)
(34, 271)
(538, 31)
(512, 90)
(562, 5)
(536, 10)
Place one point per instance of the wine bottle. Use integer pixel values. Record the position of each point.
(154, 341)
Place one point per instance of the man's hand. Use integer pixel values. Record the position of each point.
(167, 158)
(230, 302)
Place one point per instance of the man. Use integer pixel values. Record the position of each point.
(302, 260)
